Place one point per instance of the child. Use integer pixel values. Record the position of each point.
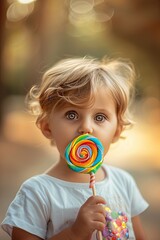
(78, 96)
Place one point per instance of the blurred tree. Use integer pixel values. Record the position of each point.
(3, 90)
(138, 22)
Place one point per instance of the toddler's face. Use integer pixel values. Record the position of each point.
(99, 120)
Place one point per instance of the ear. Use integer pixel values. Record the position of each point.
(117, 133)
(45, 128)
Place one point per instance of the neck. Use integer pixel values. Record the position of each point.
(63, 172)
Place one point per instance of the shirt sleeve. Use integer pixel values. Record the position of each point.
(28, 211)
(138, 203)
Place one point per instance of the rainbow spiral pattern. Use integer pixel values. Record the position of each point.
(84, 154)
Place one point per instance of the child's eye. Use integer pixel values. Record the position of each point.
(100, 118)
(71, 115)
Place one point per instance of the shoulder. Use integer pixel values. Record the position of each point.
(118, 171)
(36, 186)
(37, 181)
(119, 175)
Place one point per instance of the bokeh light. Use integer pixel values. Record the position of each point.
(26, 1)
(86, 18)
(17, 11)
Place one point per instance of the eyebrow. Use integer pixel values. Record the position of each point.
(102, 110)
(97, 110)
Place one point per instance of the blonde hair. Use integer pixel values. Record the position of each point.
(74, 80)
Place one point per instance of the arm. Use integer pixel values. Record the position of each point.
(20, 234)
(91, 217)
(138, 229)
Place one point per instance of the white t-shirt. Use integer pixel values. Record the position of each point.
(45, 205)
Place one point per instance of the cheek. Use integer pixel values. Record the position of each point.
(62, 137)
(107, 140)
(61, 145)
(106, 146)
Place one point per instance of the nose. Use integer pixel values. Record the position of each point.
(85, 127)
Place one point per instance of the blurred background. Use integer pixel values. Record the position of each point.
(34, 35)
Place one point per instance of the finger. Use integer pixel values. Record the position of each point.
(100, 209)
(95, 200)
(98, 217)
(98, 225)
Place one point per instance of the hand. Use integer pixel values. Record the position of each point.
(91, 217)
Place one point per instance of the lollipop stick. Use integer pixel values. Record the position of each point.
(100, 235)
(94, 190)
(92, 185)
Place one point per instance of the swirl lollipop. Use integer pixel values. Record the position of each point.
(85, 155)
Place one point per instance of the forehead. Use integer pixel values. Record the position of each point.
(102, 98)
